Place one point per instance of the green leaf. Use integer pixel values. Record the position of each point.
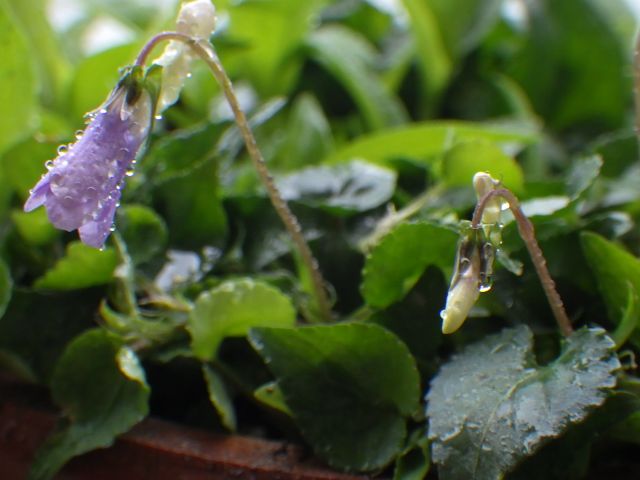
(266, 35)
(231, 309)
(143, 231)
(616, 272)
(461, 162)
(630, 319)
(350, 388)
(17, 80)
(435, 62)
(582, 174)
(56, 317)
(345, 188)
(350, 59)
(6, 287)
(425, 141)
(309, 137)
(569, 54)
(100, 385)
(271, 395)
(96, 76)
(415, 461)
(220, 398)
(81, 267)
(34, 227)
(492, 405)
(397, 262)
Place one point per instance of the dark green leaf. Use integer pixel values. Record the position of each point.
(616, 271)
(81, 267)
(271, 394)
(101, 387)
(231, 309)
(350, 59)
(397, 262)
(220, 398)
(6, 287)
(143, 231)
(350, 388)
(345, 188)
(492, 405)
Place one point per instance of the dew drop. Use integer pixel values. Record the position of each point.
(443, 314)
(48, 164)
(62, 149)
(158, 117)
(112, 228)
(189, 75)
(129, 172)
(485, 285)
(79, 134)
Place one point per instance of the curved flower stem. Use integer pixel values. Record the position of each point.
(527, 233)
(206, 52)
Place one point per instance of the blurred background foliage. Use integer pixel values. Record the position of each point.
(373, 116)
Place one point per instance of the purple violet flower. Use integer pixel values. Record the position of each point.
(81, 190)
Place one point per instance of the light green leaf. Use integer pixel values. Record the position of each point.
(271, 395)
(492, 405)
(582, 175)
(81, 267)
(100, 385)
(397, 262)
(220, 398)
(350, 388)
(350, 59)
(461, 162)
(425, 141)
(231, 309)
(17, 80)
(34, 227)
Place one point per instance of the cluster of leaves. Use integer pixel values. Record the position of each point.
(374, 116)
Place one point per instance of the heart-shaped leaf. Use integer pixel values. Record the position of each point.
(492, 405)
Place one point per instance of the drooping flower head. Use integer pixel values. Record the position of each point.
(81, 190)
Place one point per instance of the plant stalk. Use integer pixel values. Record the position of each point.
(527, 233)
(206, 52)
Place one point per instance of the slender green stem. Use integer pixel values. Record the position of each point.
(527, 233)
(206, 52)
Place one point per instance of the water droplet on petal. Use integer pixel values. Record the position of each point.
(129, 172)
(79, 134)
(62, 149)
(443, 313)
(158, 117)
(48, 164)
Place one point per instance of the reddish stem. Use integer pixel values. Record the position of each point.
(527, 233)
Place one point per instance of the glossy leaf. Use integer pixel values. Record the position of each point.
(350, 388)
(81, 267)
(100, 385)
(616, 271)
(398, 261)
(231, 309)
(220, 398)
(346, 188)
(492, 405)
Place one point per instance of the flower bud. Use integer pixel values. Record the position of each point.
(198, 20)
(465, 286)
